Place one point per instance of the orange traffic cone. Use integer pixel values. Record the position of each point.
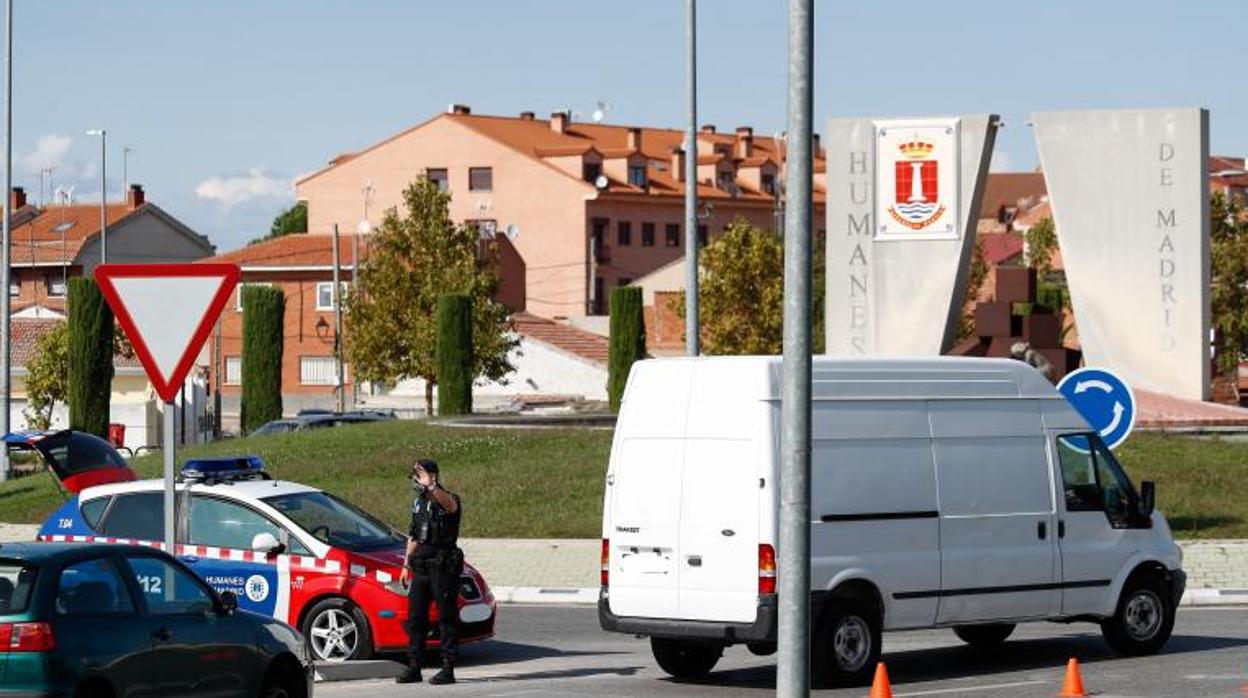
(1072, 687)
(880, 687)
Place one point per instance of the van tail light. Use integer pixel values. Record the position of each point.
(26, 637)
(766, 569)
(605, 573)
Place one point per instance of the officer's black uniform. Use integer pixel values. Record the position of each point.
(436, 565)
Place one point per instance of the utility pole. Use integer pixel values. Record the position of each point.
(6, 338)
(103, 134)
(338, 325)
(693, 332)
(793, 670)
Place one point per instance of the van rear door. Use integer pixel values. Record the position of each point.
(643, 498)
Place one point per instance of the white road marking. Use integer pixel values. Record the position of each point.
(968, 689)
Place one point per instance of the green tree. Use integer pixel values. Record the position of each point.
(974, 284)
(741, 289)
(454, 354)
(1041, 240)
(264, 308)
(414, 257)
(90, 375)
(628, 340)
(47, 377)
(292, 221)
(1229, 269)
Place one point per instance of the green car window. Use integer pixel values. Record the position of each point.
(167, 589)
(17, 580)
(92, 588)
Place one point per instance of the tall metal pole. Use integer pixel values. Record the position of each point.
(355, 287)
(793, 672)
(5, 336)
(168, 450)
(103, 197)
(342, 398)
(693, 335)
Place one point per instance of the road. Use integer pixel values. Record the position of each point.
(559, 651)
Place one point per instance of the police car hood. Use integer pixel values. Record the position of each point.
(382, 559)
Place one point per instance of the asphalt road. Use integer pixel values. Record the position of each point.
(559, 651)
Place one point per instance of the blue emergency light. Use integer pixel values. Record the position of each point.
(223, 469)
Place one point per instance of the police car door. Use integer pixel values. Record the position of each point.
(221, 533)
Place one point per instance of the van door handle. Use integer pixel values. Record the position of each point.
(1061, 528)
(694, 560)
(1042, 530)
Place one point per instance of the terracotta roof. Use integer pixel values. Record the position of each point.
(298, 250)
(1222, 163)
(27, 332)
(586, 345)
(1001, 247)
(535, 138)
(1034, 215)
(1020, 190)
(38, 240)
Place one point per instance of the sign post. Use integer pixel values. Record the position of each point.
(167, 312)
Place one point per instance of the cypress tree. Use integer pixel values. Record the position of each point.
(454, 354)
(628, 340)
(90, 383)
(263, 311)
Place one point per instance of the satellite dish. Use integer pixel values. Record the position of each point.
(513, 231)
(601, 112)
(602, 182)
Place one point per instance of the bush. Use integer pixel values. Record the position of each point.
(1051, 296)
(454, 354)
(263, 311)
(628, 340)
(90, 378)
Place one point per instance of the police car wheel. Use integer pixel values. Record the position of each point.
(337, 631)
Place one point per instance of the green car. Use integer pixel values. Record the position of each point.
(121, 620)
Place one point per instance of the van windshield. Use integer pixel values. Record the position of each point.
(17, 581)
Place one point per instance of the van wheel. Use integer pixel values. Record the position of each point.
(684, 659)
(987, 635)
(1143, 620)
(846, 645)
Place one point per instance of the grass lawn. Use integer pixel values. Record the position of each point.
(547, 483)
(533, 483)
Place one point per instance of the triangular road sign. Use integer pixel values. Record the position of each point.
(167, 311)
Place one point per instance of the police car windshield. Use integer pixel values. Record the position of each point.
(333, 521)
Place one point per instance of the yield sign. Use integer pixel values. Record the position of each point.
(167, 311)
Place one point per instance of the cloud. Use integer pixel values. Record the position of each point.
(1000, 161)
(50, 151)
(256, 184)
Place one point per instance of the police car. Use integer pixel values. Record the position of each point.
(284, 549)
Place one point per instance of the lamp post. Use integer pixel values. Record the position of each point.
(6, 338)
(103, 134)
(693, 332)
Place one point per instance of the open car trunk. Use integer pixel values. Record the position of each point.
(76, 459)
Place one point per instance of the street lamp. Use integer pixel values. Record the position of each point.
(103, 134)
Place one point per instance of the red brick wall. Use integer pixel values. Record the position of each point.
(302, 335)
(665, 329)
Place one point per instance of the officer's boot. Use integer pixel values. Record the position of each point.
(445, 676)
(412, 673)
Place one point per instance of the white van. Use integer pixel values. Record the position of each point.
(946, 492)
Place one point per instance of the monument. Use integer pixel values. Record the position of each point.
(903, 199)
(1130, 198)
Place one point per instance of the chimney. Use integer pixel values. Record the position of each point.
(527, 115)
(814, 143)
(135, 197)
(708, 128)
(745, 142)
(18, 198)
(462, 109)
(678, 164)
(559, 121)
(634, 140)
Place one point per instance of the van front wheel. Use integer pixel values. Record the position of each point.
(846, 645)
(1143, 620)
(684, 659)
(987, 635)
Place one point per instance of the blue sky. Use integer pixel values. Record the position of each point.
(225, 102)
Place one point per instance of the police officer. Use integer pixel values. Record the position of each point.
(431, 573)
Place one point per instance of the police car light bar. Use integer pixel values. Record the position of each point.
(220, 469)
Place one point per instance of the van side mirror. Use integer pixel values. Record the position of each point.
(1148, 498)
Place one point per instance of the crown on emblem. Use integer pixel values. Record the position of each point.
(916, 149)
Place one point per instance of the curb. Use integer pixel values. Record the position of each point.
(361, 670)
(550, 596)
(1215, 597)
